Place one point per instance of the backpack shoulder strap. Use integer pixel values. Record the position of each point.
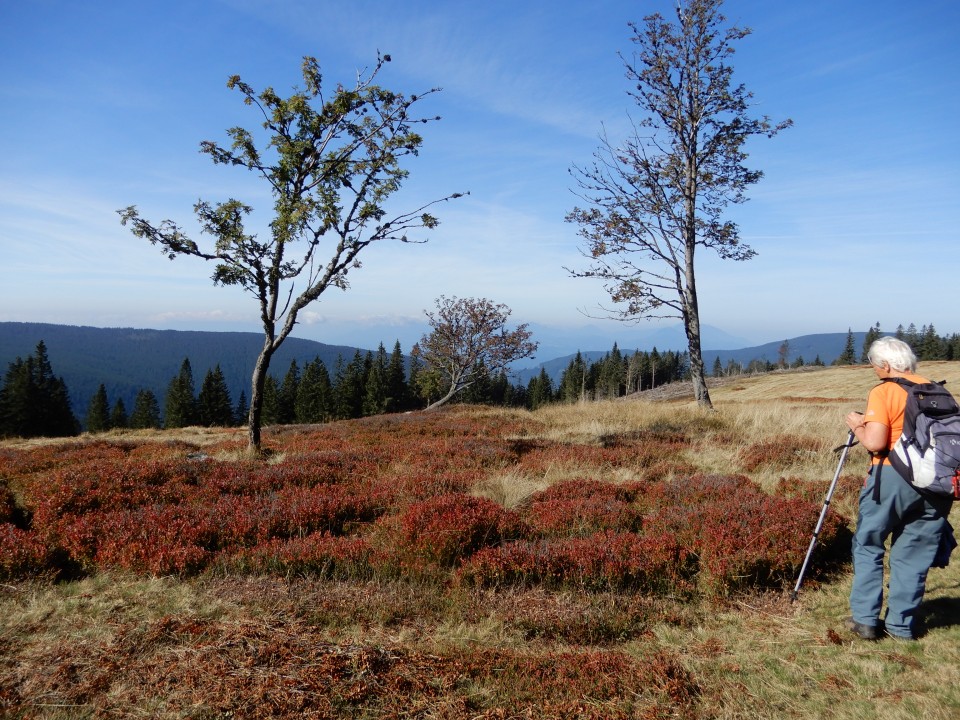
(902, 382)
(906, 385)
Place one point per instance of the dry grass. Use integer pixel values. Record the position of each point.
(128, 646)
(510, 487)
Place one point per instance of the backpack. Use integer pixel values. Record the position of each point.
(927, 454)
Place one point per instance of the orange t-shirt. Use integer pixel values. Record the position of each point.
(885, 404)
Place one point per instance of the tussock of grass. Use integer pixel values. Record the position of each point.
(510, 488)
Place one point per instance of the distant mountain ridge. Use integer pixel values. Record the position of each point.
(827, 346)
(127, 360)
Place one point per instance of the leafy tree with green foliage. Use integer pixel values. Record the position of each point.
(33, 401)
(655, 198)
(98, 412)
(332, 162)
(146, 411)
(180, 408)
(467, 333)
(214, 403)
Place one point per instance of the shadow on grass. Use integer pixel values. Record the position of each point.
(941, 612)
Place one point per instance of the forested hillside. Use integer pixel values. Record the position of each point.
(152, 378)
(126, 360)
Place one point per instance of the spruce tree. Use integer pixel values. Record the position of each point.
(118, 416)
(573, 381)
(952, 347)
(539, 390)
(849, 354)
(287, 395)
(500, 389)
(271, 401)
(146, 411)
(375, 390)
(349, 387)
(930, 347)
(33, 401)
(98, 412)
(398, 392)
(610, 374)
(414, 395)
(214, 404)
(873, 334)
(180, 409)
(314, 394)
(242, 409)
(478, 392)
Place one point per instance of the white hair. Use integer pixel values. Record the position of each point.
(894, 352)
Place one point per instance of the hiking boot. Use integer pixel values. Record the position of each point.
(864, 632)
(899, 638)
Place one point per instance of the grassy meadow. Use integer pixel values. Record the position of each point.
(622, 559)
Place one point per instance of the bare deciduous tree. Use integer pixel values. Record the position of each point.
(654, 199)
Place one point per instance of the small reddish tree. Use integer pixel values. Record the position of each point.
(467, 334)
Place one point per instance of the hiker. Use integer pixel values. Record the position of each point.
(916, 523)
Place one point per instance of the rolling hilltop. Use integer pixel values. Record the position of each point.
(126, 360)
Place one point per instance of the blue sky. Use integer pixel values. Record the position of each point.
(104, 104)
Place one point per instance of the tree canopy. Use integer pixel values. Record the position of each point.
(332, 161)
(467, 334)
(653, 199)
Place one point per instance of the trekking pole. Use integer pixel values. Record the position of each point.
(823, 513)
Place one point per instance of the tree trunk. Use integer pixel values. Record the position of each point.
(255, 415)
(450, 393)
(691, 324)
(691, 307)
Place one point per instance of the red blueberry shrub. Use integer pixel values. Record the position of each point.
(392, 495)
(439, 533)
(577, 508)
